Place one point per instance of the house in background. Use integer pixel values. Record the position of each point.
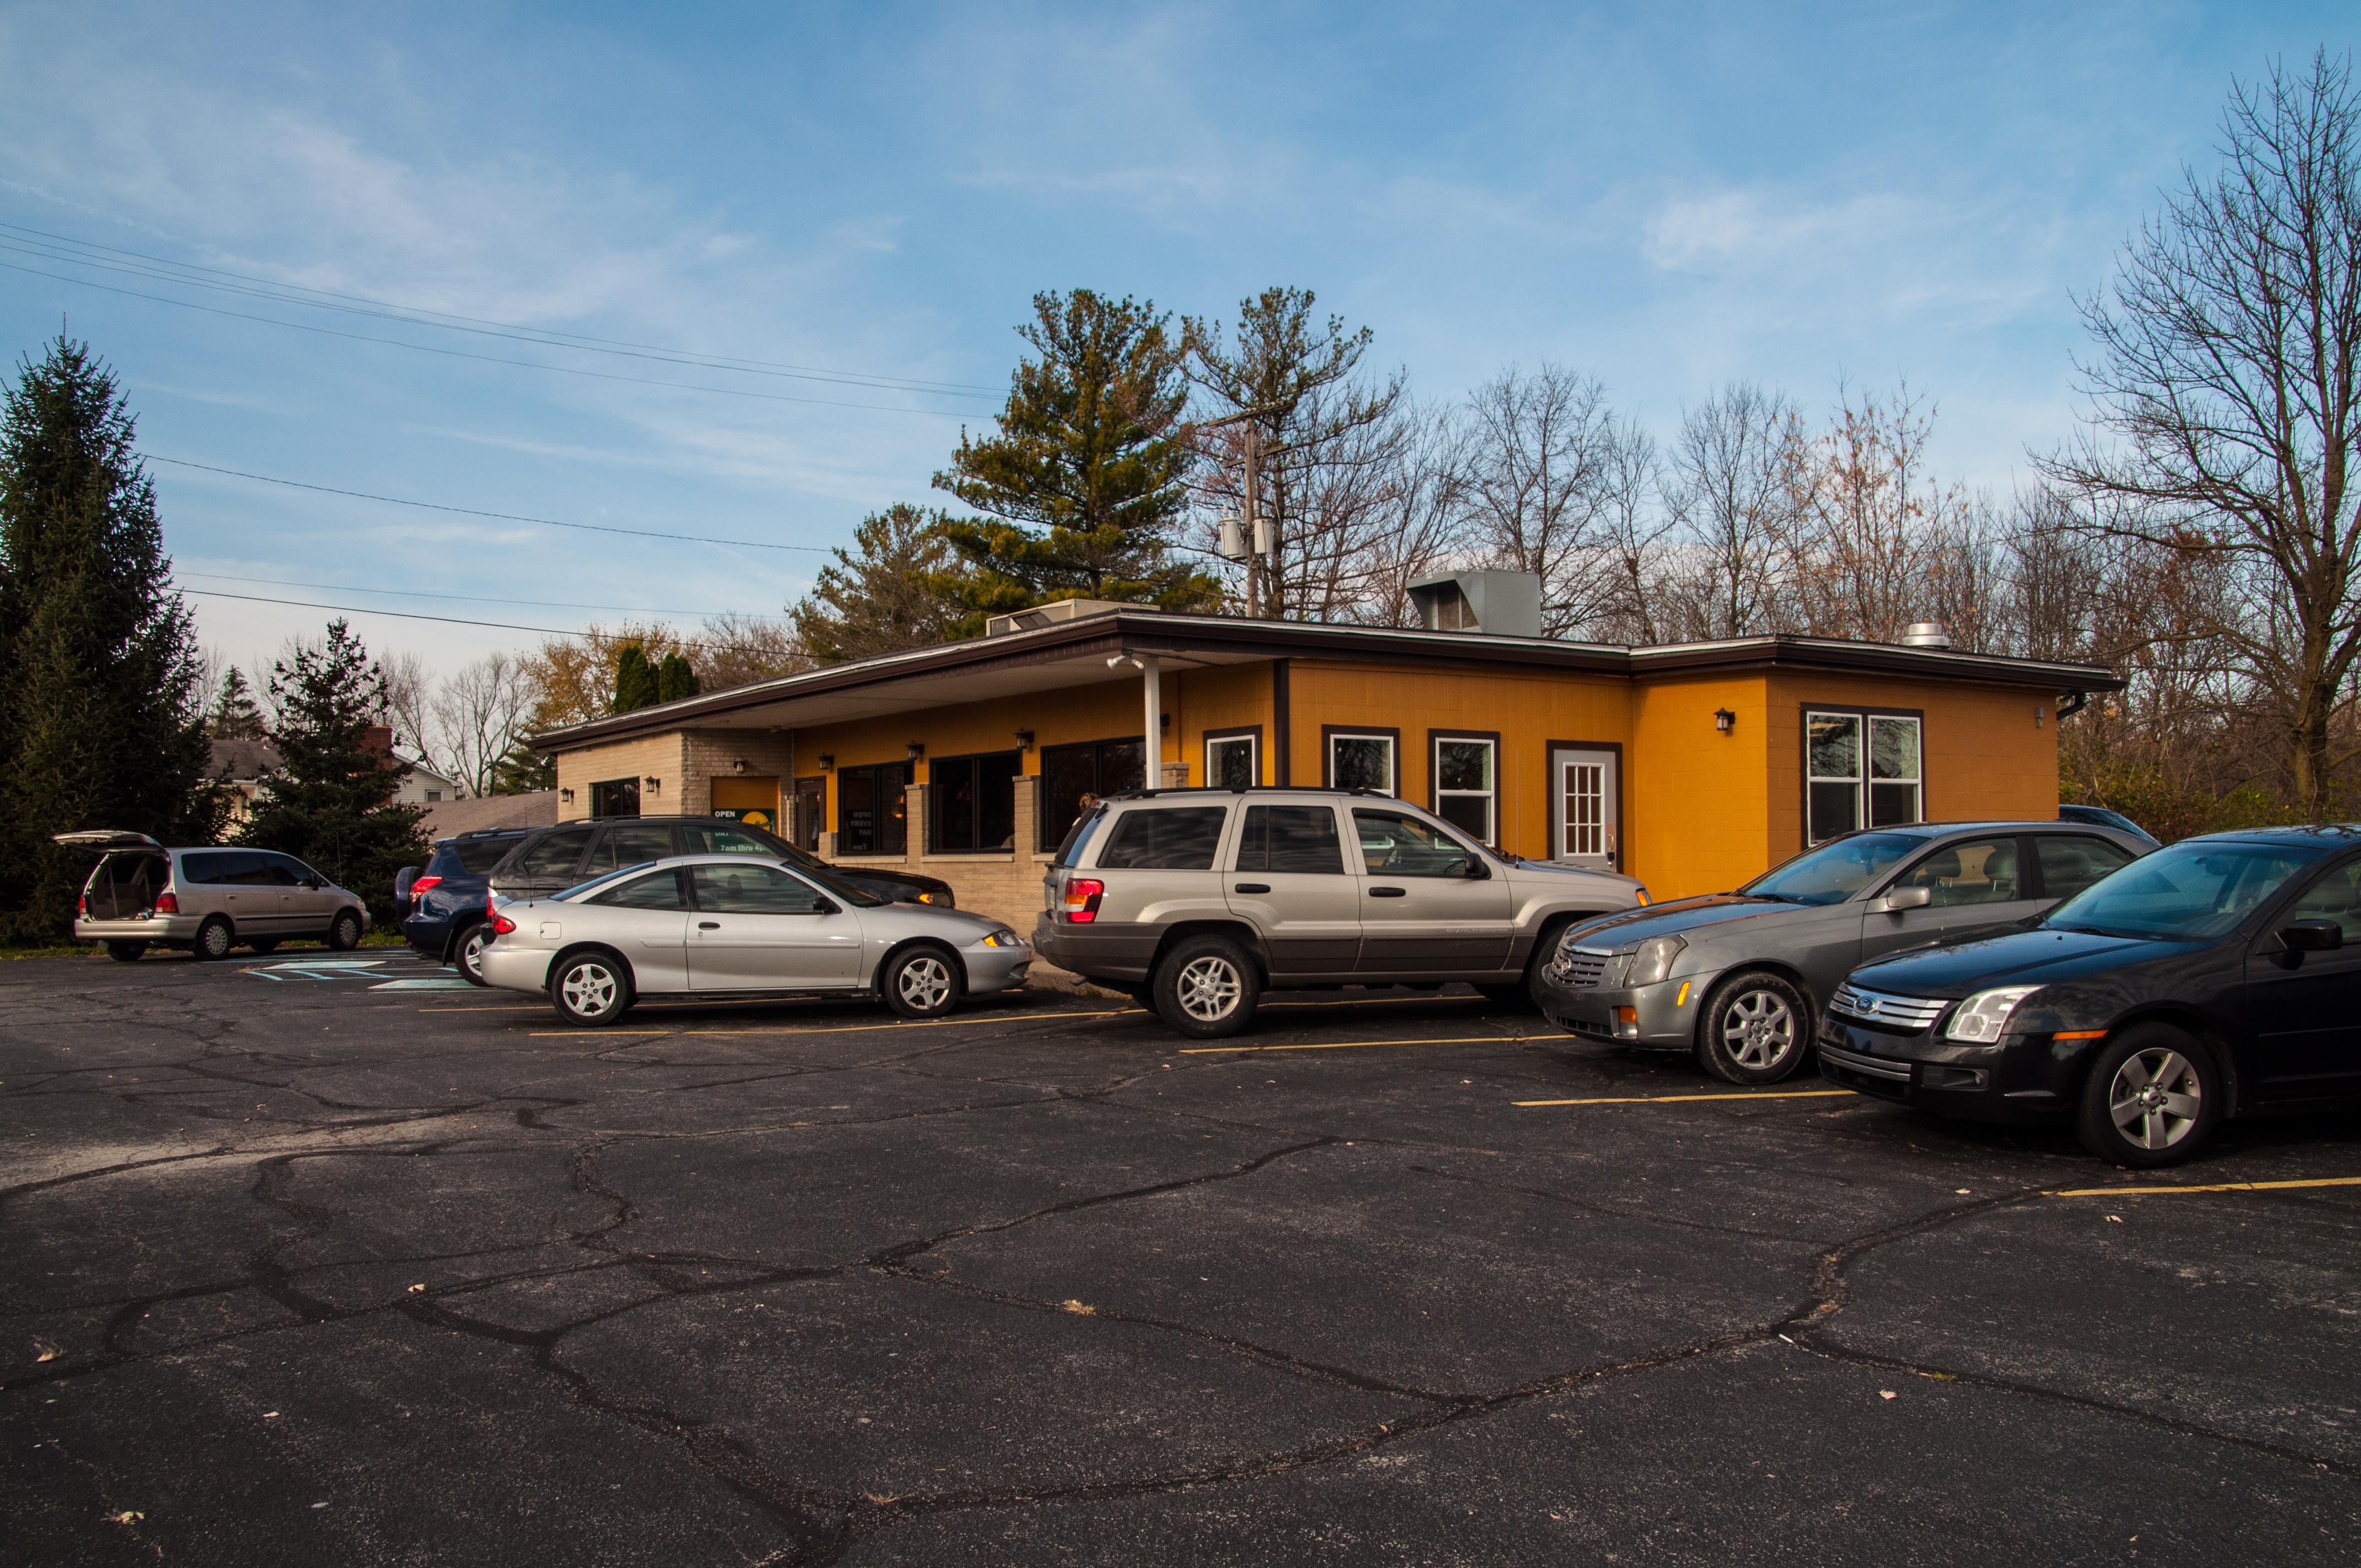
(242, 765)
(1693, 767)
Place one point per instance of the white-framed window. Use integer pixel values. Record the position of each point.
(1361, 760)
(1467, 787)
(1860, 769)
(1233, 762)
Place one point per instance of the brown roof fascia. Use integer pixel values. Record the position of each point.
(1157, 632)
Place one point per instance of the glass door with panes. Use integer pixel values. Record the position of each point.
(1088, 771)
(1585, 808)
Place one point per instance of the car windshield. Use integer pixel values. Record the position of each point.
(2188, 893)
(1834, 871)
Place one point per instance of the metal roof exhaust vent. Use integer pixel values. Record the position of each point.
(1506, 604)
(1927, 634)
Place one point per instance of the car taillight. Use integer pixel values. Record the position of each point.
(502, 924)
(489, 900)
(168, 902)
(1082, 896)
(419, 887)
(81, 908)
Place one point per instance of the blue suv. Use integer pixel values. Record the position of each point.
(442, 907)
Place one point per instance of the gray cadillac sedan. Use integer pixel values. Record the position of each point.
(711, 926)
(1739, 978)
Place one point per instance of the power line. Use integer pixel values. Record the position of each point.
(484, 359)
(473, 512)
(458, 620)
(470, 598)
(64, 248)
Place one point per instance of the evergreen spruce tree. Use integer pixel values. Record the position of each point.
(899, 586)
(635, 679)
(234, 715)
(1087, 470)
(331, 803)
(523, 771)
(674, 679)
(98, 658)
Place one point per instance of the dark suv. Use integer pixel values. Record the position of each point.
(551, 859)
(442, 907)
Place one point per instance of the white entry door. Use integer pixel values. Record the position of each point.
(1583, 827)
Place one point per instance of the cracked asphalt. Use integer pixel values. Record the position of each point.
(308, 1263)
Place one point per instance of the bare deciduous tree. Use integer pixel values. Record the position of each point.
(2225, 388)
(1730, 484)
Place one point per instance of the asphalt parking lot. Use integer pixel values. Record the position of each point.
(313, 1261)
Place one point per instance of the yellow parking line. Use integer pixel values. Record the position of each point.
(1348, 1045)
(1683, 1099)
(2214, 1186)
(841, 1029)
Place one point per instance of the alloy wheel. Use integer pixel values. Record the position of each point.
(2155, 1097)
(1208, 989)
(471, 953)
(589, 989)
(925, 982)
(1758, 1028)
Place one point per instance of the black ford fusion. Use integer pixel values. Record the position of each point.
(2218, 977)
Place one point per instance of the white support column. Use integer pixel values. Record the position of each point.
(1151, 687)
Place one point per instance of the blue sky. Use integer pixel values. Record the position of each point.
(1667, 196)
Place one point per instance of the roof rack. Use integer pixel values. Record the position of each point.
(1247, 789)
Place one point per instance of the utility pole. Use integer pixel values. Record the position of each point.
(1260, 583)
(1250, 517)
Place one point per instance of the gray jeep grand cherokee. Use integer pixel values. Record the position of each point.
(1196, 900)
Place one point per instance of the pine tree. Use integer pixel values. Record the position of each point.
(1087, 471)
(524, 770)
(234, 715)
(674, 679)
(331, 803)
(98, 658)
(635, 679)
(899, 587)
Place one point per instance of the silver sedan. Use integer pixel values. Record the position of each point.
(740, 925)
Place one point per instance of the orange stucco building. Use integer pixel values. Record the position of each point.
(1693, 767)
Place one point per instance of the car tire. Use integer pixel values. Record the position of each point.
(1755, 1027)
(467, 953)
(2152, 1098)
(267, 945)
(214, 939)
(591, 988)
(127, 952)
(345, 932)
(923, 981)
(1207, 988)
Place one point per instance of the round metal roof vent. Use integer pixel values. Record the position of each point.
(1927, 634)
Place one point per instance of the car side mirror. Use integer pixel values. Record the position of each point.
(2312, 936)
(1903, 898)
(831, 906)
(1476, 870)
(314, 883)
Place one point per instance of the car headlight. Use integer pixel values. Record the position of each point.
(1003, 939)
(1982, 1017)
(941, 900)
(1652, 960)
(1643, 894)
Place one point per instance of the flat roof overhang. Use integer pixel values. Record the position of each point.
(1075, 652)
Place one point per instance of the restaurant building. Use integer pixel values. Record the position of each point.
(1692, 766)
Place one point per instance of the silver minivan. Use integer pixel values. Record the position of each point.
(206, 900)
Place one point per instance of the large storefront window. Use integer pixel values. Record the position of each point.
(872, 810)
(1860, 769)
(973, 801)
(1096, 768)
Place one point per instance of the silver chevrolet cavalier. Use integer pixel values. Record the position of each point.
(1739, 978)
(741, 926)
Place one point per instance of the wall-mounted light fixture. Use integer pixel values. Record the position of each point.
(917, 749)
(1025, 738)
(827, 760)
(1724, 720)
(739, 766)
(566, 796)
(2036, 716)
(655, 784)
